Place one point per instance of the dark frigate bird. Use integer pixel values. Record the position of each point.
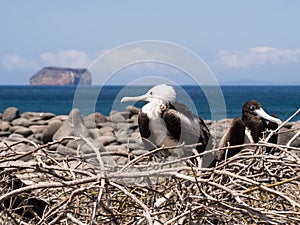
(255, 123)
(165, 122)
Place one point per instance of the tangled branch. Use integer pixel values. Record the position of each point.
(249, 188)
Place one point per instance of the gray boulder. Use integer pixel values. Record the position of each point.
(10, 114)
(120, 149)
(73, 126)
(106, 140)
(12, 129)
(20, 122)
(85, 149)
(38, 129)
(284, 136)
(4, 125)
(117, 117)
(132, 109)
(4, 133)
(50, 130)
(139, 152)
(106, 129)
(15, 137)
(66, 151)
(92, 120)
(23, 131)
(36, 116)
(296, 126)
(288, 132)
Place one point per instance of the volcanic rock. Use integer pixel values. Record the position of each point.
(61, 76)
(10, 114)
(73, 126)
(50, 130)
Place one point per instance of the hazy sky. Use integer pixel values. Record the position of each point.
(239, 40)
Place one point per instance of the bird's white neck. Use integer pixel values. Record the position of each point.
(153, 109)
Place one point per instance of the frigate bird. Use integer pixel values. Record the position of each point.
(255, 122)
(165, 122)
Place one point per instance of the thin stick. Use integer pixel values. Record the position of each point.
(293, 139)
(146, 209)
(281, 125)
(102, 181)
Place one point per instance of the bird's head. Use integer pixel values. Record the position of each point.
(162, 92)
(254, 108)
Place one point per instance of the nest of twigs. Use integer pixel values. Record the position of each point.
(252, 187)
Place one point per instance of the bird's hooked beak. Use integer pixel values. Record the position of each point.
(261, 113)
(135, 99)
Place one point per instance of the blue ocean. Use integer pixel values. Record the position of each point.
(280, 100)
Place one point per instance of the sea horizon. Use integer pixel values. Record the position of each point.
(282, 100)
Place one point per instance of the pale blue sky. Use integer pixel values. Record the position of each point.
(239, 40)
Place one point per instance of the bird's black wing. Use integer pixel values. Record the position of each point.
(145, 132)
(186, 127)
(143, 122)
(234, 135)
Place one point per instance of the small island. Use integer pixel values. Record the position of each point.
(61, 76)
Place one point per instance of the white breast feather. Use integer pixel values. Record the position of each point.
(157, 125)
(248, 135)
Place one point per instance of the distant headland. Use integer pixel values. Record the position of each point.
(61, 76)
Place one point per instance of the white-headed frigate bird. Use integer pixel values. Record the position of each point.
(255, 123)
(165, 122)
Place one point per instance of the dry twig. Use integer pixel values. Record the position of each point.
(250, 188)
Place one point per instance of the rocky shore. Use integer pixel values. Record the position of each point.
(54, 168)
(116, 134)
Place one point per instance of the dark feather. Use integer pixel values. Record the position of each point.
(182, 131)
(235, 135)
(145, 132)
(143, 122)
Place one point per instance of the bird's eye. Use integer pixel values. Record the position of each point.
(150, 93)
(252, 107)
